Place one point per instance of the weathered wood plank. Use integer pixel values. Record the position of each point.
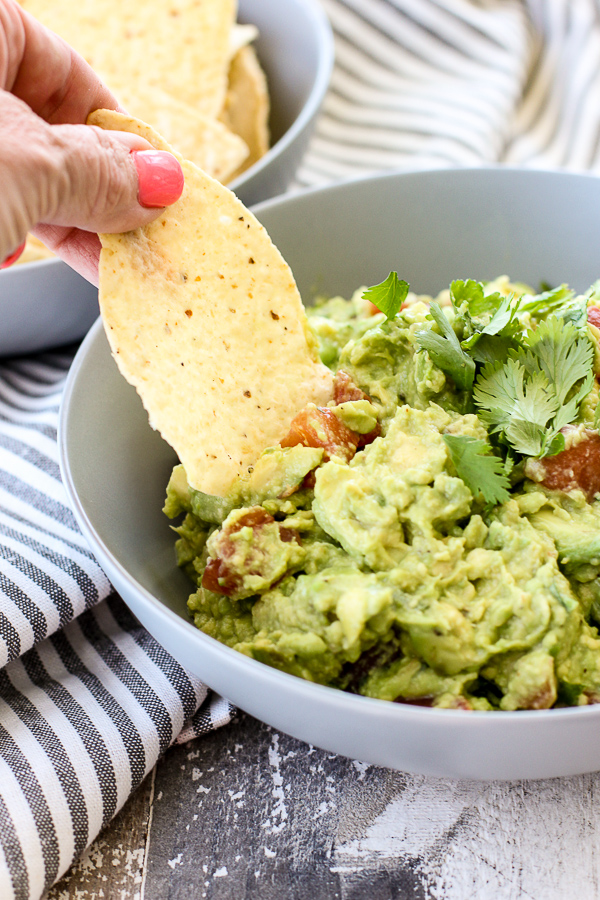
(248, 813)
(113, 865)
(257, 814)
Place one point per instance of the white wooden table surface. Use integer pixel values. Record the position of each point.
(248, 812)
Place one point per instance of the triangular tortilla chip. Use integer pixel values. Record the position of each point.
(206, 142)
(246, 110)
(182, 46)
(34, 251)
(240, 36)
(204, 317)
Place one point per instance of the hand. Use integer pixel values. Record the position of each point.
(61, 179)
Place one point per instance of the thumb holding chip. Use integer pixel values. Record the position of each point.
(63, 180)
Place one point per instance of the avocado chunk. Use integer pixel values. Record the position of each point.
(571, 522)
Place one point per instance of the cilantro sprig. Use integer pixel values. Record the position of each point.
(527, 382)
(538, 390)
(445, 350)
(479, 468)
(486, 323)
(547, 302)
(388, 296)
(469, 296)
(525, 361)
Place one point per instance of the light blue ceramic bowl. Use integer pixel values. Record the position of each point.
(295, 48)
(431, 227)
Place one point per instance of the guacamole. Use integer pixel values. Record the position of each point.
(432, 535)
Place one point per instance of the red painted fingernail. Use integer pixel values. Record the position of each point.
(160, 178)
(13, 257)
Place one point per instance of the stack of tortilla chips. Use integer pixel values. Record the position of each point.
(185, 67)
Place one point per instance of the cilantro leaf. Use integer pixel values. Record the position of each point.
(496, 391)
(469, 296)
(491, 348)
(538, 390)
(568, 412)
(504, 316)
(556, 445)
(576, 310)
(548, 301)
(478, 467)
(517, 404)
(445, 351)
(526, 437)
(561, 351)
(470, 293)
(535, 401)
(388, 296)
(592, 295)
(503, 323)
(487, 323)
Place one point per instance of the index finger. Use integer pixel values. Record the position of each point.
(45, 72)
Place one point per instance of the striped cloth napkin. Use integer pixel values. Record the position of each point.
(88, 700)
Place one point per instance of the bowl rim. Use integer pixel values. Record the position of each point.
(323, 694)
(322, 78)
(498, 169)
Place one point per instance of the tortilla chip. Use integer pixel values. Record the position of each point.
(240, 36)
(205, 141)
(246, 110)
(203, 316)
(182, 46)
(34, 251)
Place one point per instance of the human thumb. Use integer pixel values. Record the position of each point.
(78, 176)
(108, 180)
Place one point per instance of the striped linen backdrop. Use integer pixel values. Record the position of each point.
(88, 700)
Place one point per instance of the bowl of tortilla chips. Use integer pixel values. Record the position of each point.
(204, 361)
(235, 87)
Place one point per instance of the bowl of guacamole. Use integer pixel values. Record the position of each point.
(411, 577)
(432, 535)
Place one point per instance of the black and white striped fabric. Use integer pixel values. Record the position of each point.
(440, 83)
(88, 700)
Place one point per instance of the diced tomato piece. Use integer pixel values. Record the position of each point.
(369, 437)
(374, 310)
(218, 575)
(288, 534)
(309, 480)
(593, 316)
(543, 699)
(461, 703)
(319, 426)
(210, 579)
(255, 518)
(576, 467)
(344, 389)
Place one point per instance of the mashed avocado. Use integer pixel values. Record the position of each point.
(431, 536)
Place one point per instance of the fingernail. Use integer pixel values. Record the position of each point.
(160, 178)
(13, 257)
